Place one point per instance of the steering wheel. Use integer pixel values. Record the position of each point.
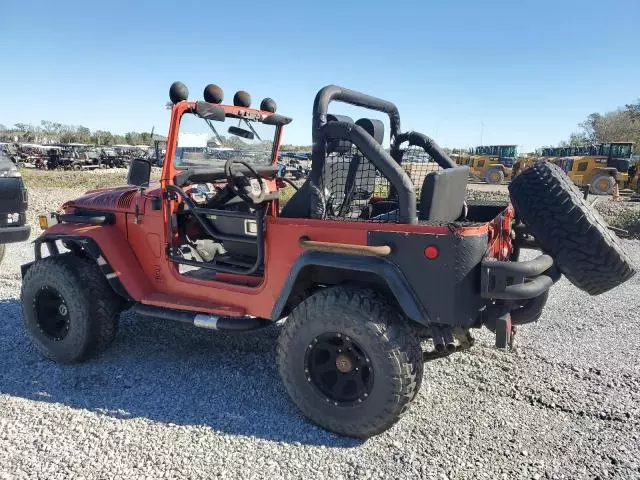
(252, 189)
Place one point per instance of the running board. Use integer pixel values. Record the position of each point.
(203, 320)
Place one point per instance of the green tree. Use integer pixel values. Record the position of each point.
(620, 125)
(83, 135)
(634, 111)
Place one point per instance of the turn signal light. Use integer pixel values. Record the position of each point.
(47, 221)
(431, 252)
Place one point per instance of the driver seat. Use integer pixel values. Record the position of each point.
(348, 196)
(309, 201)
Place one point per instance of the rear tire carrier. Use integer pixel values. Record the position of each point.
(569, 229)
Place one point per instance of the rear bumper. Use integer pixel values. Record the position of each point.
(518, 280)
(14, 234)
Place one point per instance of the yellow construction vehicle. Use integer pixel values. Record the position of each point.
(523, 162)
(634, 176)
(601, 166)
(491, 163)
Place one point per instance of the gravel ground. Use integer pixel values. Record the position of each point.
(170, 401)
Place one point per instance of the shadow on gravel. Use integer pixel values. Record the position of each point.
(165, 372)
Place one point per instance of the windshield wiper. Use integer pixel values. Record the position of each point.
(252, 129)
(215, 132)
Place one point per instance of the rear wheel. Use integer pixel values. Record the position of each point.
(349, 361)
(494, 176)
(602, 184)
(69, 309)
(569, 229)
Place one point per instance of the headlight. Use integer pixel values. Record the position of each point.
(13, 218)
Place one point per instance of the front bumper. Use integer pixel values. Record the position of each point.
(14, 234)
(517, 280)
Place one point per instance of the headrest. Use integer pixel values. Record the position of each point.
(338, 146)
(338, 118)
(373, 127)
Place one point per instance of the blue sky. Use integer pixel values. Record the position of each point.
(527, 71)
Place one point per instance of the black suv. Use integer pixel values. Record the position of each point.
(13, 205)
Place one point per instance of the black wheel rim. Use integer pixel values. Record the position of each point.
(339, 369)
(52, 313)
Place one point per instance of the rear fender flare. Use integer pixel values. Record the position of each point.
(378, 270)
(86, 245)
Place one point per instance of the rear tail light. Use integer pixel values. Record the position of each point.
(431, 252)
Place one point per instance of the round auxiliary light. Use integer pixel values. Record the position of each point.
(213, 94)
(431, 252)
(242, 99)
(268, 105)
(178, 92)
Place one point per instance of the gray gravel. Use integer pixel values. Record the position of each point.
(170, 401)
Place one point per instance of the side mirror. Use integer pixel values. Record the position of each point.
(139, 173)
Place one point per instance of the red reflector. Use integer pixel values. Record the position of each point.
(431, 252)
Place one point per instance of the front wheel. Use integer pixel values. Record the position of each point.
(349, 361)
(602, 184)
(69, 310)
(494, 176)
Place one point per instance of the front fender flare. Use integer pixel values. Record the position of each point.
(378, 268)
(87, 245)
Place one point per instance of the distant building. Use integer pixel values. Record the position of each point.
(192, 140)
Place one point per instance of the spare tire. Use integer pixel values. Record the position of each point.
(569, 229)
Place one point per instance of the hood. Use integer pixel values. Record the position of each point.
(120, 198)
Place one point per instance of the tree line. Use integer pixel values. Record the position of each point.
(53, 132)
(619, 125)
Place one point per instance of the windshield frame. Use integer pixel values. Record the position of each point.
(265, 160)
(169, 170)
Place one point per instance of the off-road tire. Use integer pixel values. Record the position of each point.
(595, 184)
(93, 307)
(490, 172)
(2, 248)
(569, 229)
(382, 332)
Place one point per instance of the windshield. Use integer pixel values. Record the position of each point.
(621, 150)
(508, 151)
(211, 143)
(497, 150)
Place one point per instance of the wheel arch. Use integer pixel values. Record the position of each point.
(313, 270)
(80, 246)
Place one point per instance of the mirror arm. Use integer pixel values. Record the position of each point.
(252, 129)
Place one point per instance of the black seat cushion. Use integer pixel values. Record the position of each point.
(443, 195)
(307, 202)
